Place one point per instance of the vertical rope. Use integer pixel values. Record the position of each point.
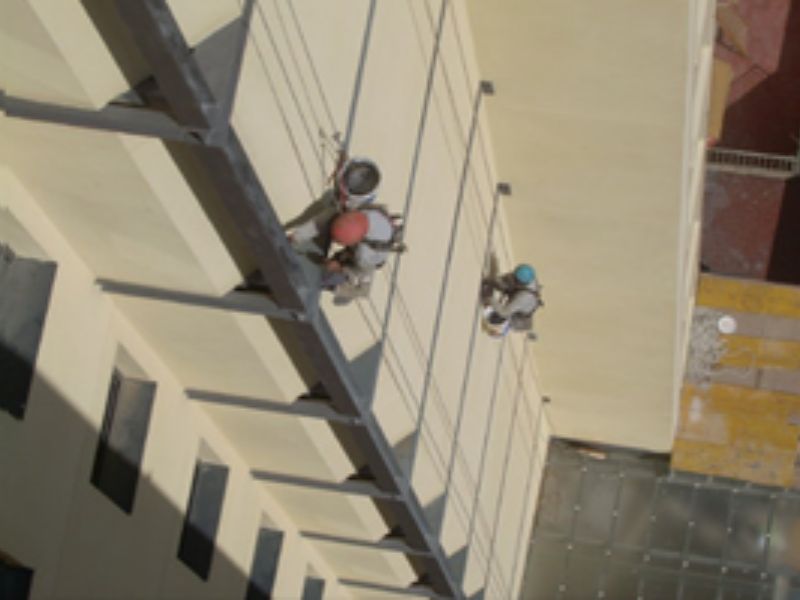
(284, 117)
(502, 488)
(462, 397)
(362, 60)
(314, 72)
(525, 495)
(486, 436)
(423, 119)
(282, 65)
(445, 279)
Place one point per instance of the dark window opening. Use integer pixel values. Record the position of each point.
(15, 580)
(265, 564)
(25, 286)
(120, 448)
(314, 588)
(196, 548)
(784, 266)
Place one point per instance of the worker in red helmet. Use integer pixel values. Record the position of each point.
(355, 184)
(367, 236)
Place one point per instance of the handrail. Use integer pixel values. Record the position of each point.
(747, 162)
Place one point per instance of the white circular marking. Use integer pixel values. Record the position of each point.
(726, 324)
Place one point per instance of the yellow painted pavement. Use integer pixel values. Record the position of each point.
(749, 296)
(738, 432)
(753, 352)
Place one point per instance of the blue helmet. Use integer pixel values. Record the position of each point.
(525, 274)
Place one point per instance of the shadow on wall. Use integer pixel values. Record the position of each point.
(752, 225)
(767, 119)
(784, 265)
(64, 533)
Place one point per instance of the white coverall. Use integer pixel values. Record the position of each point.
(523, 301)
(359, 262)
(365, 257)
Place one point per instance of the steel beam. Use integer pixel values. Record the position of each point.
(354, 487)
(189, 96)
(414, 590)
(318, 355)
(116, 119)
(244, 302)
(302, 407)
(390, 544)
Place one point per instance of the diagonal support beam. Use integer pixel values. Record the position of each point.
(390, 544)
(244, 302)
(171, 59)
(315, 409)
(220, 58)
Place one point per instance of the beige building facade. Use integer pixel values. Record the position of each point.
(170, 441)
(601, 125)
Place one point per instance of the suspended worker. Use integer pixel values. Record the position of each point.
(355, 184)
(366, 236)
(519, 298)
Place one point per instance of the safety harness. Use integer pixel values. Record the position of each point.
(510, 286)
(395, 242)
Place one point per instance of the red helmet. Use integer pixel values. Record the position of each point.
(349, 228)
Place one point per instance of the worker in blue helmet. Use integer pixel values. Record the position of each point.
(511, 299)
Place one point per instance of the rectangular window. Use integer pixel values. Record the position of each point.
(203, 513)
(118, 457)
(265, 564)
(25, 286)
(314, 588)
(15, 580)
